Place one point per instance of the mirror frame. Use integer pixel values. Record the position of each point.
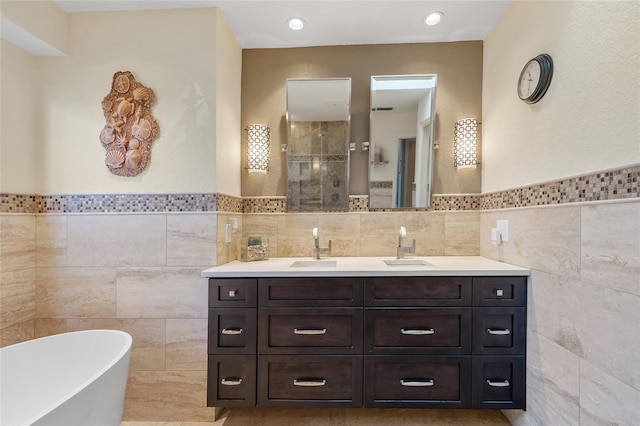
(424, 150)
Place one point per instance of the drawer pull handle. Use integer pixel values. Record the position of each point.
(499, 332)
(502, 384)
(417, 332)
(232, 331)
(231, 382)
(309, 332)
(416, 383)
(309, 383)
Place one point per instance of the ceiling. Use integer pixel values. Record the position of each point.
(263, 23)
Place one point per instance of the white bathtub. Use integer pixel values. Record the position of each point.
(68, 379)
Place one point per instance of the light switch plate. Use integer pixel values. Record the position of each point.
(503, 227)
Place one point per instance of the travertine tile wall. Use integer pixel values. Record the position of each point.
(367, 234)
(139, 273)
(583, 338)
(17, 277)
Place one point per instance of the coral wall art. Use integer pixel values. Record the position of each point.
(130, 128)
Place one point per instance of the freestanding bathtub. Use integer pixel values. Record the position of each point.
(68, 379)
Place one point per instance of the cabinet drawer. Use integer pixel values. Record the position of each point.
(310, 331)
(411, 331)
(232, 330)
(499, 382)
(233, 292)
(499, 291)
(322, 381)
(408, 381)
(499, 331)
(231, 381)
(418, 291)
(310, 291)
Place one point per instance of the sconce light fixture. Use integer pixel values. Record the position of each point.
(465, 143)
(258, 149)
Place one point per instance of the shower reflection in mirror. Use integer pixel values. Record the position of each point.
(401, 135)
(318, 133)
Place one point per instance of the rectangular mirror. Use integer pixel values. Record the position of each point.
(403, 111)
(318, 133)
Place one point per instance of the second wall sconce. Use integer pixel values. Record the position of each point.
(465, 143)
(258, 147)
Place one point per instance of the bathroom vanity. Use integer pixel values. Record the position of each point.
(356, 332)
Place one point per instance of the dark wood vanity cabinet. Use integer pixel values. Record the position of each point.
(445, 342)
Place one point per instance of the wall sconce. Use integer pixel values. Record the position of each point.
(258, 148)
(465, 143)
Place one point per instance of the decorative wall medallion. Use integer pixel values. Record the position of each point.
(130, 128)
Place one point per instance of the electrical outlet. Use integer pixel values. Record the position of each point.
(227, 233)
(503, 227)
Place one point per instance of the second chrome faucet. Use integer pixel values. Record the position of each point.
(402, 251)
(317, 250)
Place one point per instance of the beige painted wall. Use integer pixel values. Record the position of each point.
(173, 53)
(19, 118)
(589, 120)
(227, 97)
(459, 95)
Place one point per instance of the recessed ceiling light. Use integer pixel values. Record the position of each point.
(433, 18)
(295, 23)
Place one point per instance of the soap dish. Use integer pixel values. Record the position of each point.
(253, 252)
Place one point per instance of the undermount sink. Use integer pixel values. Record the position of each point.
(314, 264)
(407, 262)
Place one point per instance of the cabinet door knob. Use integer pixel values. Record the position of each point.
(503, 384)
(417, 332)
(309, 331)
(232, 331)
(499, 332)
(309, 382)
(231, 382)
(416, 382)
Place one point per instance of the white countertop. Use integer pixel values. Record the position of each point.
(366, 267)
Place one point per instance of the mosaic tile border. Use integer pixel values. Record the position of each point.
(358, 203)
(616, 184)
(229, 203)
(17, 203)
(455, 202)
(623, 183)
(264, 204)
(108, 203)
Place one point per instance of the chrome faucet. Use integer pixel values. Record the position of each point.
(317, 250)
(402, 234)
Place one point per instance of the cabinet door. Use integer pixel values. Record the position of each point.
(499, 382)
(233, 292)
(412, 331)
(499, 331)
(499, 291)
(310, 381)
(310, 292)
(231, 381)
(418, 291)
(310, 331)
(232, 330)
(410, 381)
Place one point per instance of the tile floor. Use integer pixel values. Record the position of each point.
(345, 417)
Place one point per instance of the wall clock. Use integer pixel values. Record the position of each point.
(535, 78)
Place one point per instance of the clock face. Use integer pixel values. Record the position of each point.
(529, 79)
(535, 78)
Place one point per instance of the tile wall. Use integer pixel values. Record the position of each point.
(583, 342)
(17, 277)
(139, 271)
